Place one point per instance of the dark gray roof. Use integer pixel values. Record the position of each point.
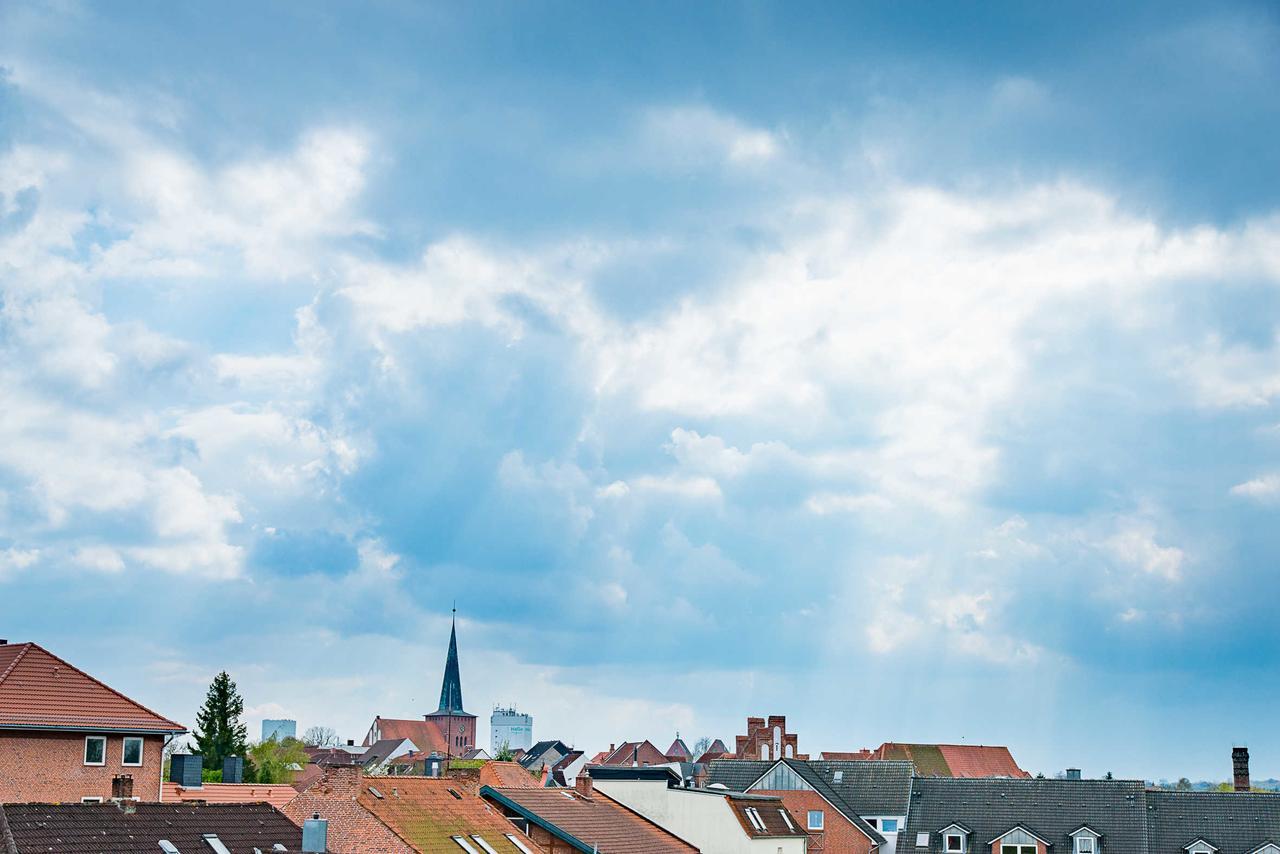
(738, 774)
(1234, 822)
(381, 749)
(870, 787)
(874, 787)
(106, 829)
(1051, 809)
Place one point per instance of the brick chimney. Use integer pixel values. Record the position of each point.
(584, 785)
(1240, 768)
(121, 787)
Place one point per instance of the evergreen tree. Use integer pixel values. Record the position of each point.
(219, 732)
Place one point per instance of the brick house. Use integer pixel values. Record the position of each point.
(848, 807)
(66, 737)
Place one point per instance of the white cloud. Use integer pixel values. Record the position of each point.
(99, 559)
(13, 560)
(827, 503)
(1264, 488)
(686, 136)
(1135, 545)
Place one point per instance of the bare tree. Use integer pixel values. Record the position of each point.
(701, 746)
(320, 736)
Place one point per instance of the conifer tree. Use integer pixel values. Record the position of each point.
(219, 732)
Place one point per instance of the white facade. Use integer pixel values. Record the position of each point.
(701, 817)
(509, 727)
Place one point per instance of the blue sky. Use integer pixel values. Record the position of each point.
(909, 369)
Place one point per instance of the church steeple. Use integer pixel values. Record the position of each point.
(451, 688)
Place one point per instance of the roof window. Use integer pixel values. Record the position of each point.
(464, 845)
(212, 840)
(786, 818)
(754, 818)
(168, 847)
(488, 849)
(515, 840)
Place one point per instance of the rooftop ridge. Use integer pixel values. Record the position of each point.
(32, 644)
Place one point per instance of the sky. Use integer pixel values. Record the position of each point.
(908, 369)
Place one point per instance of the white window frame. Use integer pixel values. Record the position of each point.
(93, 799)
(489, 849)
(946, 843)
(1083, 838)
(142, 750)
(822, 819)
(464, 844)
(1018, 847)
(85, 755)
(515, 840)
(786, 818)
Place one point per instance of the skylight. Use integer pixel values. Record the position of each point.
(168, 847)
(212, 840)
(489, 849)
(515, 840)
(464, 845)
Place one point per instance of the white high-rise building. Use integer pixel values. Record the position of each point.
(511, 728)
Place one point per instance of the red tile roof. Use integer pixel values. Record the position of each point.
(506, 775)
(975, 760)
(629, 752)
(425, 735)
(40, 690)
(830, 756)
(954, 760)
(428, 812)
(597, 820)
(276, 794)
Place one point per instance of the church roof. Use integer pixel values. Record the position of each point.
(451, 687)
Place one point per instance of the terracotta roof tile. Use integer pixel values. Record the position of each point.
(975, 760)
(38, 689)
(425, 735)
(428, 812)
(595, 821)
(506, 775)
(276, 794)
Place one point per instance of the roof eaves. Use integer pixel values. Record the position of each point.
(530, 815)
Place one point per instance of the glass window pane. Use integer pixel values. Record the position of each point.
(95, 749)
(889, 825)
(133, 751)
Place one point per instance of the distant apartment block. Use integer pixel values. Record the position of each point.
(509, 728)
(279, 729)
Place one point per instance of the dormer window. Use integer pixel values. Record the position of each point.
(953, 842)
(1085, 840)
(1201, 846)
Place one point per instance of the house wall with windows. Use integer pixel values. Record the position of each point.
(837, 836)
(48, 766)
(701, 817)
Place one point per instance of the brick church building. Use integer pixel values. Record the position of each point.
(449, 730)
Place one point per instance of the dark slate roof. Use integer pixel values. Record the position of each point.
(870, 787)
(874, 787)
(533, 754)
(106, 829)
(738, 774)
(1234, 822)
(451, 686)
(1049, 808)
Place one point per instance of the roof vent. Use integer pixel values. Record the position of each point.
(922, 840)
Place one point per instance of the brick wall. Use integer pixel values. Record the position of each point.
(758, 743)
(838, 836)
(48, 767)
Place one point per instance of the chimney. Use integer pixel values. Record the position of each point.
(1073, 773)
(315, 835)
(185, 768)
(122, 787)
(1240, 768)
(233, 769)
(584, 784)
(431, 767)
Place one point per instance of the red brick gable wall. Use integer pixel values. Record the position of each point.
(838, 836)
(48, 767)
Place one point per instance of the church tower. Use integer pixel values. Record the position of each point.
(456, 726)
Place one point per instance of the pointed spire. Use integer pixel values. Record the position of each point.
(451, 688)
